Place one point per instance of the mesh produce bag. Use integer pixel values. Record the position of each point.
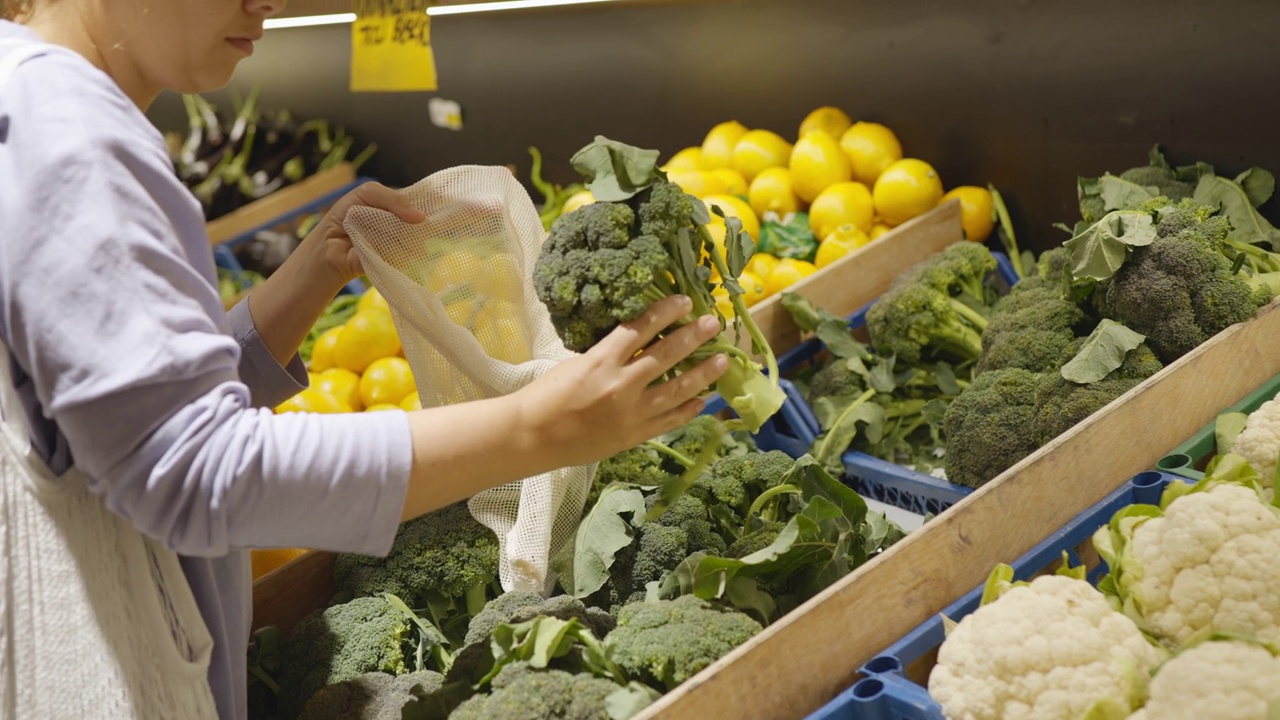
(460, 290)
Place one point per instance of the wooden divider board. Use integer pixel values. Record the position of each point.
(796, 665)
(862, 276)
(279, 203)
(289, 593)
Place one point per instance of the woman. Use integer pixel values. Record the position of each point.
(137, 413)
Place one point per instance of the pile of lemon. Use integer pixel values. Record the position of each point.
(850, 177)
(358, 366)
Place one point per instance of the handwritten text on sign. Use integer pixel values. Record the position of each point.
(391, 47)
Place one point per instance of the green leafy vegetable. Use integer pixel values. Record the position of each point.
(1099, 251)
(1103, 352)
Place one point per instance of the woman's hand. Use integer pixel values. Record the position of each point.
(606, 400)
(332, 244)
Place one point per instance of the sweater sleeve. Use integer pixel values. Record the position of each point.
(108, 303)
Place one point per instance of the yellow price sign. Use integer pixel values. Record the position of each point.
(391, 47)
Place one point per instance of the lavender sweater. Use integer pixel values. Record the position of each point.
(131, 371)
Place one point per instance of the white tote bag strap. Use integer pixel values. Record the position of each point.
(81, 588)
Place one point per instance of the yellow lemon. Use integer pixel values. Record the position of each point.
(372, 300)
(877, 230)
(322, 350)
(734, 183)
(735, 208)
(451, 269)
(501, 332)
(367, 336)
(906, 189)
(412, 401)
(314, 401)
(758, 151)
(382, 406)
(830, 120)
(717, 147)
(975, 211)
(845, 203)
(842, 241)
(753, 290)
(870, 147)
(698, 183)
(817, 163)
(789, 272)
(387, 381)
(689, 158)
(264, 561)
(579, 199)
(342, 384)
(771, 191)
(717, 231)
(723, 303)
(762, 265)
(502, 278)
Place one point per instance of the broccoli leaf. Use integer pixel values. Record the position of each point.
(616, 171)
(601, 534)
(830, 329)
(944, 377)
(830, 446)
(790, 237)
(1258, 184)
(627, 702)
(882, 377)
(1227, 428)
(744, 593)
(814, 481)
(1113, 192)
(738, 245)
(1248, 226)
(1099, 251)
(1103, 352)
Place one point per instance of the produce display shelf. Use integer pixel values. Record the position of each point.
(892, 684)
(1189, 459)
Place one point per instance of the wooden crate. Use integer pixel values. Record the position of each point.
(278, 203)
(289, 593)
(806, 658)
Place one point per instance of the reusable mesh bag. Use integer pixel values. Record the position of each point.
(460, 290)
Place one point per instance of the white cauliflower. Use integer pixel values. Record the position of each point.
(1222, 680)
(1208, 563)
(1051, 649)
(1259, 442)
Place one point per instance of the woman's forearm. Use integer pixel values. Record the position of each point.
(286, 306)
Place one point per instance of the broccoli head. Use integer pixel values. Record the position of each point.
(937, 308)
(736, 480)
(341, 643)
(1031, 328)
(520, 692)
(606, 263)
(758, 539)
(371, 696)
(1162, 178)
(990, 426)
(442, 557)
(666, 642)
(516, 607)
(1060, 403)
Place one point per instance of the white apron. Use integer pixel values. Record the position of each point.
(96, 620)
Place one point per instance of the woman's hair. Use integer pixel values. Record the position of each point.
(14, 9)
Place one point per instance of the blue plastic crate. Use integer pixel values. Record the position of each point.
(878, 479)
(886, 693)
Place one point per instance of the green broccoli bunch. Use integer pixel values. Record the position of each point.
(937, 309)
(521, 692)
(666, 642)
(517, 606)
(1098, 196)
(445, 562)
(371, 696)
(340, 643)
(644, 240)
(1186, 285)
(1034, 324)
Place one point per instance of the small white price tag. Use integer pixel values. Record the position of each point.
(445, 113)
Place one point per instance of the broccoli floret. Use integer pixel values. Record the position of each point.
(520, 692)
(936, 308)
(839, 377)
(1052, 264)
(1162, 179)
(693, 437)
(666, 642)
(1060, 403)
(1030, 329)
(371, 696)
(758, 539)
(990, 426)
(516, 607)
(607, 263)
(341, 643)
(640, 465)
(445, 556)
(735, 481)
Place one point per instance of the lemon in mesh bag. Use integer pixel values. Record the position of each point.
(459, 289)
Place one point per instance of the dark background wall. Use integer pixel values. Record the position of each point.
(1026, 94)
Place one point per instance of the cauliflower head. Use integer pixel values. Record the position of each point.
(1259, 442)
(1206, 564)
(1221, 680)
(1051, 649)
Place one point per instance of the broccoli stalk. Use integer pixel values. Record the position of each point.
(1005, 231)
(762, 502)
